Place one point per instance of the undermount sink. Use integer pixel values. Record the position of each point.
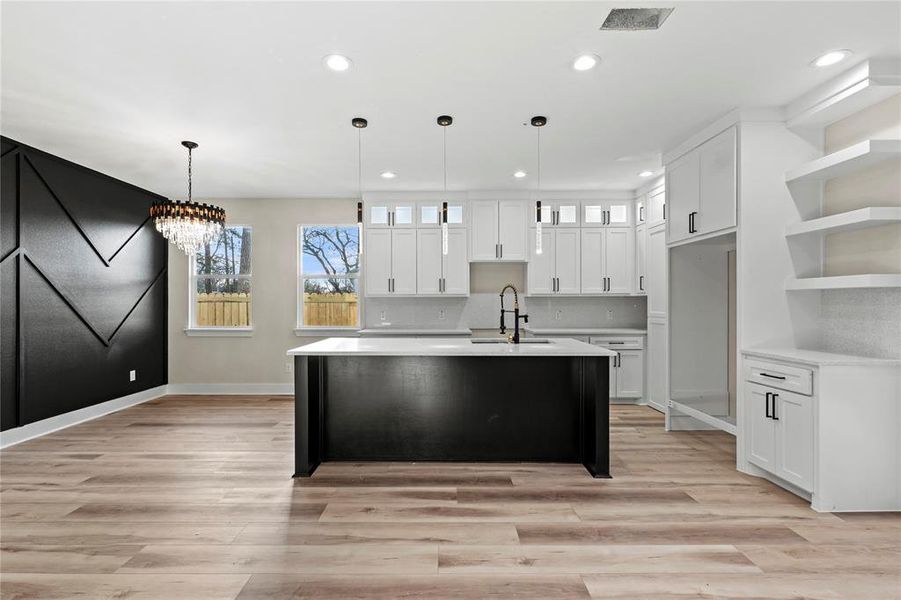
(503, 341)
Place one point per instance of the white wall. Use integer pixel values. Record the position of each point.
(259, 359)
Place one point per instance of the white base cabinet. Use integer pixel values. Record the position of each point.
(825, 426)
(627, 367)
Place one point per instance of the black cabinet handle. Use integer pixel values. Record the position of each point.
(691, 222)
(664, 211)
(767, 402)
(775, 418)
(762, 374)
(641, 283)
(641, 213)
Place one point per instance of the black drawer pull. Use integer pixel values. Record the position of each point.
(768, 415)
(762, 374)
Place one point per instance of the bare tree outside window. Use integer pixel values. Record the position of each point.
(329, 274)
(222, 275)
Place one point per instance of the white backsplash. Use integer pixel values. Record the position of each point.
(861, 322)
(481, 311)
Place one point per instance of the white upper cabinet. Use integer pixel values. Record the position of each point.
(608, 260)
(701, 188)
(437, 273)
(620, 260)
(497, 230)
(656, 272)
(390, 262)
(718, 178)
(390, 214)
(557, 214)
(556, 270)
(655, 207)
(641, 244)
(608, 213)
(428, 214)
(683, 187)
(592, 264)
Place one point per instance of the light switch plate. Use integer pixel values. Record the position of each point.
(132, 375)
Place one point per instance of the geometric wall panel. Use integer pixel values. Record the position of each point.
(83, 285)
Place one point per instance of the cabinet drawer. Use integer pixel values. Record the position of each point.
(619, 342)
(780, 376)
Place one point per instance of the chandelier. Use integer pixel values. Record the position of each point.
(189, 225)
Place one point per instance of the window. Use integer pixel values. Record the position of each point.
(221, 281)
(328, 276)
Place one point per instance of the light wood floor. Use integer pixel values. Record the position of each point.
(192, 498)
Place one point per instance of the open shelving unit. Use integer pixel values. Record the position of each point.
(837, 282)
(871, 216)
(846, 160)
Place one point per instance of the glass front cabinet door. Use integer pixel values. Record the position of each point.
(607, 213)
(428, 213)
(390, 214)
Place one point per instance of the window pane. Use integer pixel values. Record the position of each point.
(227, 255)
(330, 250)
(222, 303)
(330, 302)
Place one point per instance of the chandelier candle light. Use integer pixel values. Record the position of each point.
(538, 122)
(189, 225)
(359, 123)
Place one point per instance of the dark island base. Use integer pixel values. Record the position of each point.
(452, 408)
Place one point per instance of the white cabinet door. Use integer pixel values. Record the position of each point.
(594, 214)
(403, 261)
(428, 261)
(656, 367)
(718, 167)
(540, 269)
(566, 260)
(556, 214)
(512, 225)
(592, 264)
(761, 428)
(656, 283)
(377, 259)
(794, 414)
(641, 245)
(619, 260)
(630, 374)
(378, 215)
(428, 214)
(682, 190)
(483, 244)
(656, 207)
(403, 215)
(391, 214)
(456, 265)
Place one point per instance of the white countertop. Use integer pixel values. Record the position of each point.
(585, 331)
(820, 359)
(372, 331)
(399, 346)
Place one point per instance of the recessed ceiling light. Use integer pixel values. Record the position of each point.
(830, 58)
(336, 62)
(585, 62)
(389, 175)
(519, 174)
(645, 173)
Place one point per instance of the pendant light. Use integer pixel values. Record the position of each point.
(538, 122)
(360, 124)
(189, 225)
(445, 121)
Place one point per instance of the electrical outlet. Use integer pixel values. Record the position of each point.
(442, 314)
(558, 314)
(289, 366)
(132, 375)
(382, 316)
(609, 314)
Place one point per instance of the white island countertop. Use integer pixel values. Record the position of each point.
(444, 347)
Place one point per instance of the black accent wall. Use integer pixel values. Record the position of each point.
(82, 287)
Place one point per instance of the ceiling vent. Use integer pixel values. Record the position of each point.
(635, 19)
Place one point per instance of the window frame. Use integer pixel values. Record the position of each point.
(308, 330)
(218, 330)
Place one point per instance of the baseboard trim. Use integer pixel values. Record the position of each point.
(227, 389)
(11, 437)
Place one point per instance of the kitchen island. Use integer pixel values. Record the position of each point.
(451, 399)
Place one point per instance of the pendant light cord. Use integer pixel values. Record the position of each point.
(189, 175)
(445, 161)
(360, 162)
(538, 152)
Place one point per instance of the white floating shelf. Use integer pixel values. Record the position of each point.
(862, 218)
(845, 282)
(864, 85)
(844, 161)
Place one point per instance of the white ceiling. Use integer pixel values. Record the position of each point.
(116, 86)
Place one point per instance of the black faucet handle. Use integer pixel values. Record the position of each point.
(525, 318)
